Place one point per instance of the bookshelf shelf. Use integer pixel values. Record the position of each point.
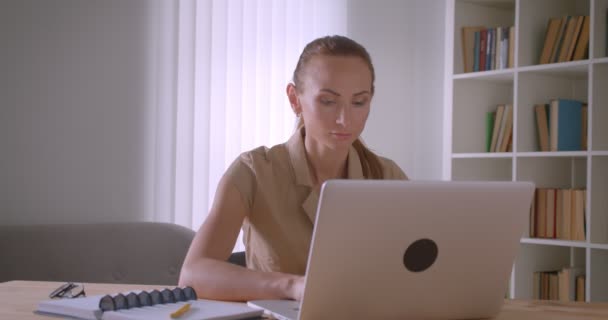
(552, 242)
(536, 154)
(470, 96)
(572, 69)
(503, 75)
(487, 155)
(564, 243)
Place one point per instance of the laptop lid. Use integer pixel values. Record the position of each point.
(405, 249)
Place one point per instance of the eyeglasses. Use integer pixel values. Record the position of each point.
(145, 299)
(69, 290)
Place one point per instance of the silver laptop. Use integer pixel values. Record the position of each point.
(410, 250)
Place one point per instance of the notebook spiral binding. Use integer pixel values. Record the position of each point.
(145, 298)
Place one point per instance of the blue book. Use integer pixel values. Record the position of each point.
(489, 50)
(566, 125)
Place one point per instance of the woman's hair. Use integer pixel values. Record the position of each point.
(343, 47)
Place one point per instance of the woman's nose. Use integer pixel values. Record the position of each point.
(343, 117)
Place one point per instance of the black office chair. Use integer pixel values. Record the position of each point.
(238, 258)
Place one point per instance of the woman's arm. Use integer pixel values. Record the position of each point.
(212, 277)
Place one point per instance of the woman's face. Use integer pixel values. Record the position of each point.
(335, 99)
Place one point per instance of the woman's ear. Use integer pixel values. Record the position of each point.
(292, 95)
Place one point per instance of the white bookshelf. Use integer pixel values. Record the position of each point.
(470, 95)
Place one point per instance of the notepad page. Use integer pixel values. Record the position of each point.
(199, 310)
(81, 308)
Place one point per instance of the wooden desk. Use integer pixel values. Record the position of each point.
(18, 300)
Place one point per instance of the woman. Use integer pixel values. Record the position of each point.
(273, 193)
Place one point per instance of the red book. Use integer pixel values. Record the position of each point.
(483, 37)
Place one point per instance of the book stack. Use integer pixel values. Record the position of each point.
(487, 48)
(566, 39)
(561, 125)
(567, 284)
(499, 129)
(558, 214)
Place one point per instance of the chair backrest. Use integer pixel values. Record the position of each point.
(238, 258)
(137, 252)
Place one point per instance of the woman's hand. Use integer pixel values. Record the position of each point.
(296, 288)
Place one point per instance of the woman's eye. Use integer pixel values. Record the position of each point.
(327, 102)
(360, 103)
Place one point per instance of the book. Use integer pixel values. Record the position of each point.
(559, 214)
(489, 128)
(536, 285)
(550, 39)
(577, 232)
(563, 279)
(504, 54)
(483, 37)
(542, 126)
(582, 43)
(559, 39)
(584, 127)
(88, 309)
(550, 214)
(476, 51)
(567, 282)
(511, 46)
(506, 129)
(498, 51)
(575, 36)
(492, 65)
(468, 47)
(489, 37)
(541, 213)
(553, 286)
(568, 34)
(533, 208)
(497, 122)
(549, 285)
(566, 206)
(580, 288)
(565, 124)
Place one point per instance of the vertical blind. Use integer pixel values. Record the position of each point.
(228, 63)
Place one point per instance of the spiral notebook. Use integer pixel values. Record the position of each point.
(200, 309)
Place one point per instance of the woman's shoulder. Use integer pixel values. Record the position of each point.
(264, 157)
(391, 169)
(255, 168)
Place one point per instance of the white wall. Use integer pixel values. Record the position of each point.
(77, 102)
(75, 112)
(406, 41)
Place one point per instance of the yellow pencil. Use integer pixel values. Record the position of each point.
(179, 312)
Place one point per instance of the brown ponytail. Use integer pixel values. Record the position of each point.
(370, 163)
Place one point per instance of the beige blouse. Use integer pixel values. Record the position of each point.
(276, 186)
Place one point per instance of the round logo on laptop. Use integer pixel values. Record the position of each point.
(420, 255)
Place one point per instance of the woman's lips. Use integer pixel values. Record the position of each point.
(341, 135)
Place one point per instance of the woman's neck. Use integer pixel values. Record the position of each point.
(325, 163)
